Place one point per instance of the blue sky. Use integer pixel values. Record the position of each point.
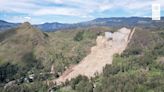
(73, 11)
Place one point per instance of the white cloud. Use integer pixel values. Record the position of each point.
(27, 17)
(103, 7)
(19, 19)
(73, 7)
(56, 1)
(58, 11)
(19, 6)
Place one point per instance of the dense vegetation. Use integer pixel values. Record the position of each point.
(26, 87)
(7, 71)
(138, 69)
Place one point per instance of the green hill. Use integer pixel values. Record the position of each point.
(18, 43)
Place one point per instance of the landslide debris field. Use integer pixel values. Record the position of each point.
(101, 54)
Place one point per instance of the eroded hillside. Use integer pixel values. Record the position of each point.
(100, 55)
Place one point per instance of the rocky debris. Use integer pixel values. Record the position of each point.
(101, 54)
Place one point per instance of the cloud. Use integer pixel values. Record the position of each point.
(69, 7)
(20, 6)
(104, 6)
(20, 18)
(59, 11)
(77, 8)
(56, 1)
(27, 17)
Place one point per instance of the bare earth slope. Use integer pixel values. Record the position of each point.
(100, 55)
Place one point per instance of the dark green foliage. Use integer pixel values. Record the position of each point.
(146, 60)
(159, 49)
(45, 34)
(79, 36)
(110, 70)
(84, 86)
(121, 83)
(30, 61)
(133, 51)
(7, 72)
(84, 34)
(81, 84)
(162, 34)
(132, 80)
(34, 87)
(155, 82)
(76, 80)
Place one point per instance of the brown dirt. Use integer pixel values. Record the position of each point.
(100, 55)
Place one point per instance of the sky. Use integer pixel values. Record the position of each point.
(73, 11)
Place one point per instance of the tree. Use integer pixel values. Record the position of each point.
(79, 36)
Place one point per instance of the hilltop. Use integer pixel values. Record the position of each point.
(19, 44)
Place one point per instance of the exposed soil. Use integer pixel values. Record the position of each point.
(100, 55)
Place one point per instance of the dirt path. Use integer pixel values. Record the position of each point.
(100, 55)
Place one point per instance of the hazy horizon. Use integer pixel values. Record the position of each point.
(73, 11)
(75, 22)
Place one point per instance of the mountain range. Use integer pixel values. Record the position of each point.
(116, 22)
